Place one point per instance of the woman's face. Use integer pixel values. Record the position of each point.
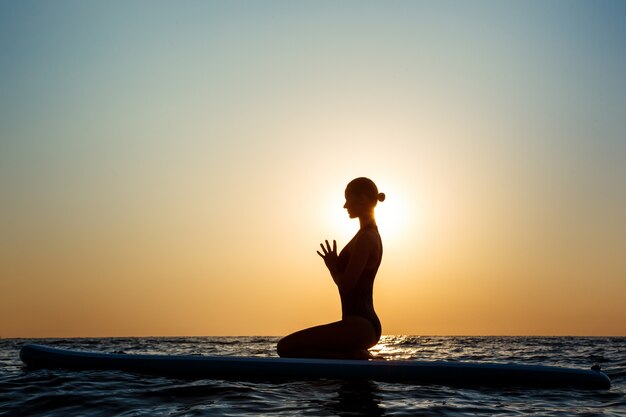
(355, 204)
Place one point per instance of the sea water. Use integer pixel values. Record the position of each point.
(45, 392)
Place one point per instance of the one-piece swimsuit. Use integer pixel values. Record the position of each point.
(358, 301)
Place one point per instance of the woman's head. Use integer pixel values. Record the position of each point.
(362, 196)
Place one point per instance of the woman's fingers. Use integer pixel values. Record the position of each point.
(327, 249)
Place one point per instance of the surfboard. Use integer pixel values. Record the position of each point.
(269, 368)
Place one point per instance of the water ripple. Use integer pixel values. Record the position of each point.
(54, 393)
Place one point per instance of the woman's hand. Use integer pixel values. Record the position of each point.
(329, 256)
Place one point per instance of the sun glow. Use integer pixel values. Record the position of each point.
(392, 217)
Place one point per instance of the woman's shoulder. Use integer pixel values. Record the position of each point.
(368, 234)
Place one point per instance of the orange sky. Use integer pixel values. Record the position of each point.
(172, 171)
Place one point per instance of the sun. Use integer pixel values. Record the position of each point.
(392, 217)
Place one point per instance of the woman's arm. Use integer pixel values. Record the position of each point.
(359, 254)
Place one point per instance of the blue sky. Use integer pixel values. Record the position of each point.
(199, 133)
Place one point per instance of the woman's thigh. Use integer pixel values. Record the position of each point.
(351, 333)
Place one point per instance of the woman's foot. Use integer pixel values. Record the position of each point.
(362, 354)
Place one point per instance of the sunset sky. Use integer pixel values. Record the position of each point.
(169, 168)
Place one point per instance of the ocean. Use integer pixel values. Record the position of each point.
(113, 393)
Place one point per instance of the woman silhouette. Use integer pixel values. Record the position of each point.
(353, 271)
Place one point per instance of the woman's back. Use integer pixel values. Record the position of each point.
(358, 300)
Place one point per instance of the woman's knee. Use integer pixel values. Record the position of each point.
(282, 347)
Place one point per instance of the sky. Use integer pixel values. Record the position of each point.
(170, 168)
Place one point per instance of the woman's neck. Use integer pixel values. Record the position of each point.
(367, 220)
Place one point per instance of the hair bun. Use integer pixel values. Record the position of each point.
(381, 197)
